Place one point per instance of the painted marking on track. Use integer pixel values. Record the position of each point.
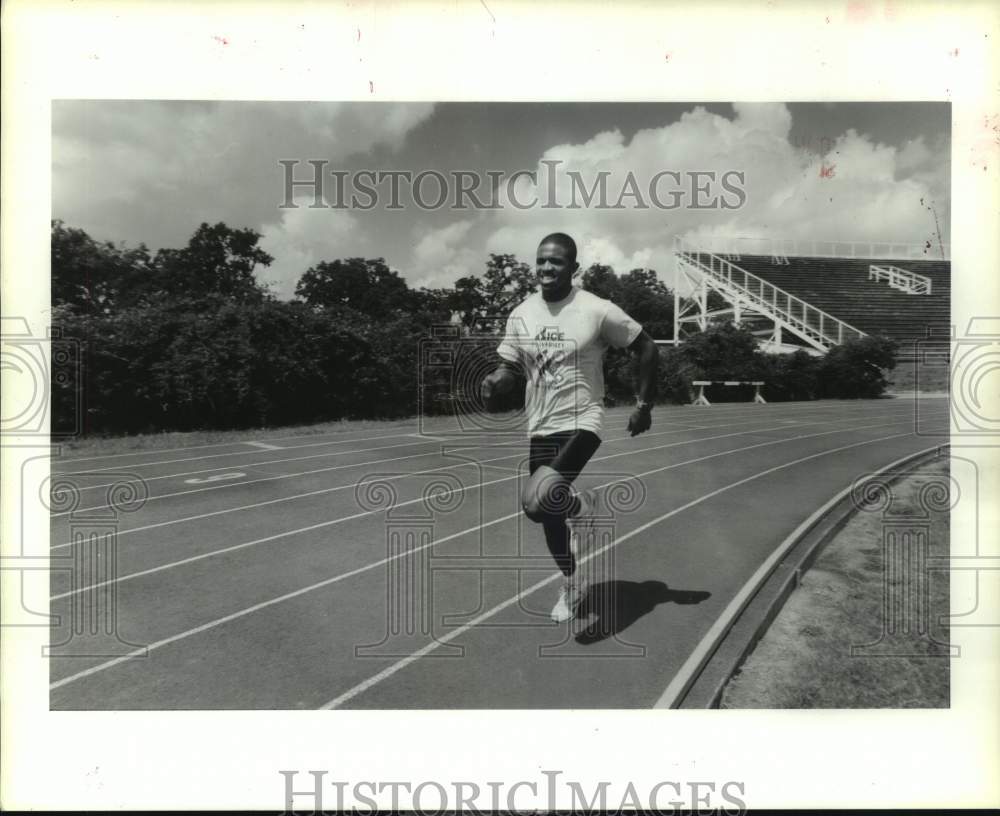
(230, 453)
(264, 446)
(266, 462)
(428, 438)
(212, 553)
(218, 477)
(481, 463)
(367, 567)
(389, 671)
(426, 472)
(53, 515)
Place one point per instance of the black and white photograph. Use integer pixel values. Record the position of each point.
(409, 435)
(442, 406)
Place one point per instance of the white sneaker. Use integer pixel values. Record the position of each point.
(570, 599)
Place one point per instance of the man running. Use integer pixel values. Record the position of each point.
(558, 337)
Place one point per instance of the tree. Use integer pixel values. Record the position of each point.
(431, 304)
(92, 277)
(602, 281)
(649, 301)
(217, 260)
(506, 283)
(484, 303)
(468, 300)
(368, 286)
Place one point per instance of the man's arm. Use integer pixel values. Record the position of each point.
(644, 347)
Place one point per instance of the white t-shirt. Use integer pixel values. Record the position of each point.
(561, 346)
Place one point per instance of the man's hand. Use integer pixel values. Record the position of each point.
(640, 421)
(494, 385)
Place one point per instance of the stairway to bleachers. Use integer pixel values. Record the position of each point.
(840, 287)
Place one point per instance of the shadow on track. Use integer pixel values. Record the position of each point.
(616, 605)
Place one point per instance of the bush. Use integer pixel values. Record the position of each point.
(856, 369)
(230, 365)
(791, 376)
(721, 352)
(216, 363)
(850, 371)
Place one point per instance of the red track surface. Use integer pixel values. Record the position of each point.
(259, 590)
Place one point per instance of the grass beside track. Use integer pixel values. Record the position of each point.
(804, 659)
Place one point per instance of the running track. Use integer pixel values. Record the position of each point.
(256, 574)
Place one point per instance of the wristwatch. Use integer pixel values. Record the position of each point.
(642, 405)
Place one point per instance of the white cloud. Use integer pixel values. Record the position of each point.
(301, 239)
(128, 169)
(440, 258)
(776, 120)
(860, 190)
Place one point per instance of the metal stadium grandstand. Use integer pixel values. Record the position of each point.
(814, 295)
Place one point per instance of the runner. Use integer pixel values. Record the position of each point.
(558, 337)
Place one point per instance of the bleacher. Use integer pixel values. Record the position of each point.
(841, 287)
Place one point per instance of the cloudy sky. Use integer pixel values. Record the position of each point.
(150, 172)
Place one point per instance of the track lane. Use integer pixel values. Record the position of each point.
(188, 545)
(696, 581)
(262, 577)
(199, 501)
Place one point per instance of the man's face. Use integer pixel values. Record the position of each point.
(554, 268)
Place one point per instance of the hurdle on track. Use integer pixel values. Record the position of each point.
(701, 399)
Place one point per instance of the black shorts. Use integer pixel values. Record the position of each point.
(566, 451)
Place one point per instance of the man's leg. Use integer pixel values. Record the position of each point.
(549, 498)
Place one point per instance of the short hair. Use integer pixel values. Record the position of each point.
(563, 240)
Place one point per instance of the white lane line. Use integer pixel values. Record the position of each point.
(709, 642)
(469, 438)
(256, 607)
(264, 446)
(201, 556)
(520, 442)
(374, 680)
(357, 464)
(154, 451)
(504, 469)
(218, 477)
(263, 479)
(231, 465)
(321, 491)
(664, 411)
(112, 468)
(321, 525)
(367, 567)
(249, 465)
